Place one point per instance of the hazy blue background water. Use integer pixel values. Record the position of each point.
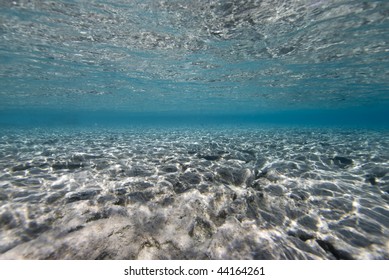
(311, 62)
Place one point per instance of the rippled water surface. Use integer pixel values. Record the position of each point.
(193, 55)
(194, 129)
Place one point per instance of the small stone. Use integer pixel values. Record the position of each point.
(233, 176)
(7, 219)
(299, 195)
(354, 238)
(308, 222)
(337, 253)
(376, 216)
(201, 230)
(20, 194)
(120, 190)
(371, 179)
(3, 196)
(301, 234)
(385, 189)
(54, 197)
(33, 228)
(21, 167)
(81, 195)
(190, 178)
(379, 171)
(341, 204)
(342, 161)
(382, 211)
(169, 169)
(141, 196)
(211, 157)
(67, 165)
(370, 227)
(275, 190)
(138, 171)
(106, 198)
(325, 189)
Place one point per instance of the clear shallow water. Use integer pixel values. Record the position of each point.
(194, 129)
(194, 194)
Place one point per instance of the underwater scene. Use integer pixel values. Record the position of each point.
(221, 130)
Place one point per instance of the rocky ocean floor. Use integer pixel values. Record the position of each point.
(194, 194)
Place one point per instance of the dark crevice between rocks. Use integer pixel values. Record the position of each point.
(97, 216)
(300, 234)
(329, 248)
(77, 228)
(104, 256)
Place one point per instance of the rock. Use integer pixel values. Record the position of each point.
(67, 165)
(371, 179)
(270, 174)
(208, 176)
(7, 219)
(271, 218)
(169, 168)
(141, 196)
(32, 198)
(308, 222)
(354, 238)
(201, 230)
(120, 190)
(81, 195)
(301, 234)
(385, 189)
(22, 193)
(382, 211)
(103, 199)
(211, 157)
(376, 216)
(341, 204)
(3, 196)
(138, 171)
(274, 190)
(21, 167)
(325, 189)
(142, 185)
(299, 195)
(332, 214)
(35, 229)
(54, 197)
(337, 253)
(233, 176)
(369, 227)
(190, 178)
(379, 171)
(342, 161)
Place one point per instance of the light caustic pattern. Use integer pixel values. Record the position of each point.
(198, 194)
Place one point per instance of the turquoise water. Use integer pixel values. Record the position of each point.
(104, 59)
(249, 129)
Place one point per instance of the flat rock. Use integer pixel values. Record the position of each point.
(233, 176)
(169, 168)
(308, 222)
(274, 190)
(342, 161)
(210, 157)
(81, 195)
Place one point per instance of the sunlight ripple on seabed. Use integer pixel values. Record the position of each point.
(166, 194)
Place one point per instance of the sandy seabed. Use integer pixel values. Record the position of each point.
(194, 194)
